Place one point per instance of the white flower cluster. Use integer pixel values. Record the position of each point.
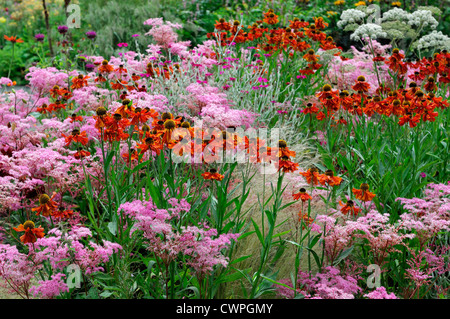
(369, 30)
(396, 14)
(434, 40)
(351, 16)
(423, 18)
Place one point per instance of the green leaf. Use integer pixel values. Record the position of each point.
(343, 255)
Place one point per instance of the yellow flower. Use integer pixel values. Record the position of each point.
(396, 4)
(339, 2)
(2, 20)
(360, 3)
(331, 13)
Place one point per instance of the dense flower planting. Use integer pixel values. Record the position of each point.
(265, 161)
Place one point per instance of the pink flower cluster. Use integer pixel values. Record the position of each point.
(200, 243)
(380, 293)
(329, 284)
(57, 249)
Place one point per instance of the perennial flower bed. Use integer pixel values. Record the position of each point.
(264, 162)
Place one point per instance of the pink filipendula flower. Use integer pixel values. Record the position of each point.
(162, 32)
(201, 244)
(429, 215)
(48, 289)
(380, 293)
(329, 284)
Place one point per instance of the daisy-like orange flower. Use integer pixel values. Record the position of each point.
(329, 179)
(213, 174)
(222, 25)
(310, 109)
(46, 205)
(283, 150)
(105, 67)
(286, 165)
(302, 195)
(62, 214)
(270, 17)
(81, 154)
(31, 232)
(77, 137)
(79, 81)
(74, 117)
(321, 116)
(311, 57)
(13, 39)
(102, 119)
(139, 116)
(320, 23)
(44, 108)
(361, 85)
(150, 143)
(311, 176)
(349, 208)
(363, 193)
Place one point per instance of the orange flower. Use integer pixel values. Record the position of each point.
(13, 39)
(150, 143)
(105, 67)
(44, 109)
(349, 207)
(131, 156)
(212, 174)
(62, 214)
(286, 165)
(79, 81)
(222, 25)
(302, 195)
(311, 176)
(46, 205)
(329, 179)
(31, 233)
(311, 57)
(319, 23)
(270, 17)
(310, 109)
(74, 117)
(77, 137)
(81, 154)
(139, 116)
(102, 119)
(320, 116)
(363, 193)
(283, 150)
(361, 85)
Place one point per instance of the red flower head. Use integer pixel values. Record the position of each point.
(363, 193)
(329, 179)
(76, 137)
(31, 232)
(46, 205)
(212, 174)
(349, 208)
(311, 175)
(13, 39)
(361, 85)
(302, 195)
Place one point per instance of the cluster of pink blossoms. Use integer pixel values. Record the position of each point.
(200, 244)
